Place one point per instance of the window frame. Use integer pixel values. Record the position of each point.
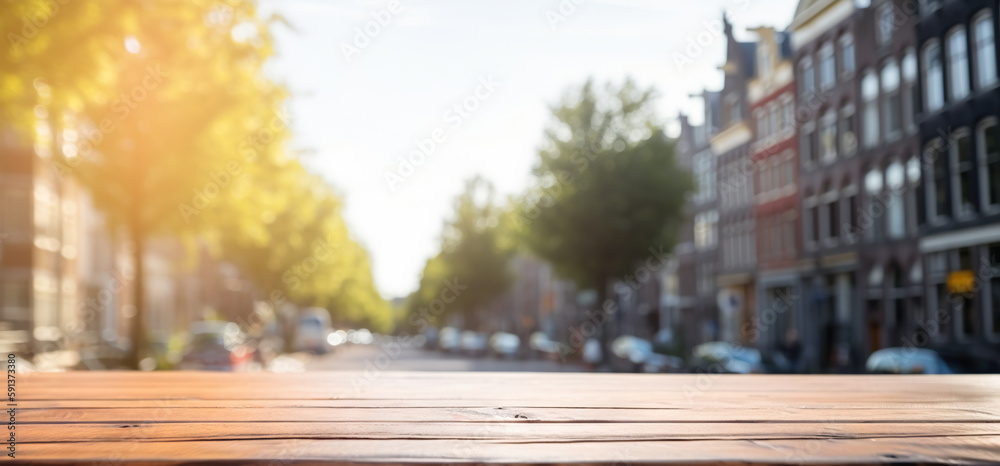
(872, 135)
(983, 16)
(891, 83)
(931, 188)
(958, 208)
(954, 69)
(808, 83)
(897, 201)
(827, 58)
(885, 14)
(845, 44)
(982, 162)
(933, 104)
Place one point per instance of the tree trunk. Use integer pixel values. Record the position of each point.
(138, 330)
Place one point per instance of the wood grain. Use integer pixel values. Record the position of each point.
(407, 417)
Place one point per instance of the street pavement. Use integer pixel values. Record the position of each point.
(395, 358)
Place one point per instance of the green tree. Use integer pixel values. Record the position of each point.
(286, 230)
(472, 252)
(473, 265)
(607, 189)
(419, 309)
(159, 96)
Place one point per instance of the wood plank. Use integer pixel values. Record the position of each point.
(522, 432)
(336, 385)
(502, 417)
(975, 449)
(787, 414)
(730, 401)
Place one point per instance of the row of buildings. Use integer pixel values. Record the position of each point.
(848, 185)
(66, 275)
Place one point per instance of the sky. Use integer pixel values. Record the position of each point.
(367, 96)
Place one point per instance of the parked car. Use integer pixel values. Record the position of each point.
(450, 339)
(591, 353)
(906, 361)
(543, 347)
(726, 358)
(505, 344)
(431, 335)
(474, 343)
(970, 359)
(216, 346)
(637, 355)
(628, 353)
(312, 330)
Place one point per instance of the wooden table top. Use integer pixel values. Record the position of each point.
(403, 417)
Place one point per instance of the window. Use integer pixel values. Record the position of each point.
(962, 165)
(761, 125)
(937, 204)
(958, 64)
(895, 180)
(989, 163)
(827, 67)
(986, 59)
(848, 140)
(706, 278)
(995, 303)
(893, 106)
(771, 175)
(764, 60)
(705, 229)
(734, 110)
(808, 77)
(848, 193)
(828, 136)
(789, 233)
(788, 172)
(933, 77)
(832, 210)
(847, 55)
(869, 92)
(808, 145)
(788, 115)
(873, 187)
(913, 178)
(908, 90)
(772, 119)
(994, 291)
(885, 24)
(704, 172)
(813, 222)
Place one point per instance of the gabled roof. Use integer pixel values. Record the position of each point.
(806, 9)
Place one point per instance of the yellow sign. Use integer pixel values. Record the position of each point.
(962, 281)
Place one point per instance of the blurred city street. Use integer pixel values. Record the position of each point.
(357, 357)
